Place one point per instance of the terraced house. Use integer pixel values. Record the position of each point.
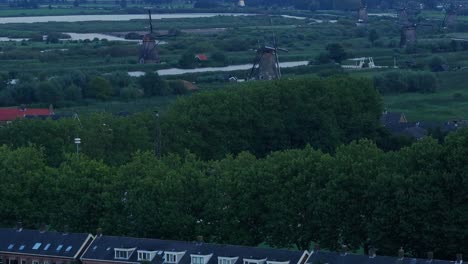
(23, 246)
(113, 250)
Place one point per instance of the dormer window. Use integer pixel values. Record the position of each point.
(227, 260)
(277, 262)
(144, 255)
(123, 253)
(200, 259)
(254, 261)
(173, 257)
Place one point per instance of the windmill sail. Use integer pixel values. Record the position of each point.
(149, 46)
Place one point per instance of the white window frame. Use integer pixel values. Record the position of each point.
(173, 256)
(227, 260)
(145, 255)
(254, 261)
(203, 259)
(128, 252)
(278, 262)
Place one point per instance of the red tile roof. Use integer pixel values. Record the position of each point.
(201, 57)
(10, 114)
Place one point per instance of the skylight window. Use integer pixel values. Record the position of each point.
(11, 246)
(68, 249)
(59, 247)
(21, 247)
(36, 246)
(47, 246)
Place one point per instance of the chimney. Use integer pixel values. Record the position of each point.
(372, 252)
(19, 226)
(430, 256)
(65, 230)
(42, 228)
(401, 253)
(344, 250)
(316, 248)
(99, 232)
(51, 109)
(199, 240)
(459, 258)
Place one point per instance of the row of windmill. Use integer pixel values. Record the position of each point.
(266, 65)
(406, 14)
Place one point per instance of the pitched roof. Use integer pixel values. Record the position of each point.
(339, 258)
(392, 118)
(10, 114)
(201, 57)
(35, 242)
(102, 249)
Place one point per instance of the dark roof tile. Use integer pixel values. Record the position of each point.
(22, 242)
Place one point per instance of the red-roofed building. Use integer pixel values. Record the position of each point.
(11, 114)
(201, 57)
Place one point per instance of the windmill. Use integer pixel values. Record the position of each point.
(149, 46)
(266, 64)
(450, 18)
(408, 34)
(407, 22)
(363, 17)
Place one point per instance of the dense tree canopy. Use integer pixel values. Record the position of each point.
(263, 116)
(282, 163)
(415, 197)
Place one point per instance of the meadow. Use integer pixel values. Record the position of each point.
(236, 39)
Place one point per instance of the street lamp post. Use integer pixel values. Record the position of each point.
(77, 143)
(157, 150)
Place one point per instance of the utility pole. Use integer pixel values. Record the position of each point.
(157, 150)
(77, 139)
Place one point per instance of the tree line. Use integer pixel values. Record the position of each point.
(359, 195)
(282, 163)
(80, 86)
(259, 117)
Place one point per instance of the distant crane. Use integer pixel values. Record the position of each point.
(149, 47)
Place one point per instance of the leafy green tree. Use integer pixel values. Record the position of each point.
(263, 117)
(336, 52)
(49, 92)
(436, 63)
(98, 88)
(80, 187)
(153, 85)
(187, 60)
(73, 93)
(373, 36)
